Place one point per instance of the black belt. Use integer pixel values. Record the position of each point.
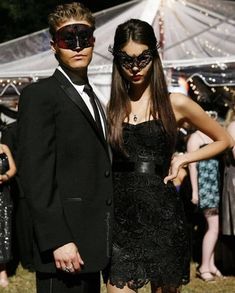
(149, 167)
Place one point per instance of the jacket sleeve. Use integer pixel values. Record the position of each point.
(36, 163)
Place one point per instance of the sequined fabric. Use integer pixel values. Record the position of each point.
(150, 241)
(5, 214)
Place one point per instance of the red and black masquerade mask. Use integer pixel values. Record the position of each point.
(129, 62)
(74, 36)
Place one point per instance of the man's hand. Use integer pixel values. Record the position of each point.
(67, 258)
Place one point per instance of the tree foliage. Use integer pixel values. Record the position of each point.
(21, 17)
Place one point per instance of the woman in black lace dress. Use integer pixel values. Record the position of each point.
(7, 170)
(150, 242)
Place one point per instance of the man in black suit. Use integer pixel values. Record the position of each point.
(64, 162)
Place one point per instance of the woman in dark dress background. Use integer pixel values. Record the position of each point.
(150, 239)
(7, 170)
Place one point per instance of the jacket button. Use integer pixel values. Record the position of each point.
(109, 202)
(107, 173)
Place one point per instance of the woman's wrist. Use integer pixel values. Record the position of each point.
(7, 176)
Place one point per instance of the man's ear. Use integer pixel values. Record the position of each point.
(52, 43)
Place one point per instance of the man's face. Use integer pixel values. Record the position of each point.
(73, 44)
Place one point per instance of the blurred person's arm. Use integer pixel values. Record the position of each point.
(193, 145)
(231, 131)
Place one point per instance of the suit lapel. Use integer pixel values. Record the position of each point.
(105, 124)
(72, 93)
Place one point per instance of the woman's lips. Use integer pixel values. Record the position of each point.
(136, 77)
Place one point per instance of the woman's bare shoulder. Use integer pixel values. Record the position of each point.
(179, 100)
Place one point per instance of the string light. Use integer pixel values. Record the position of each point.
(10, 90)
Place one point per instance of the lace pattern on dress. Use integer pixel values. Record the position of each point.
(149, 235)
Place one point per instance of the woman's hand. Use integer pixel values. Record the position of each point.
(177, 162)
(4, 177)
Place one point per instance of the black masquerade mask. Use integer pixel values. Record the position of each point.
(129, 62)
(74, 36)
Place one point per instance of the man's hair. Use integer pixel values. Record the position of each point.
(68, 11)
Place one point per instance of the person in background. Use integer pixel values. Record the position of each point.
(228, 201)
(183, 187)
(205, 181)
(7, 171)
(150, 239)
(228, 198)
(22, 222)
(64, 162)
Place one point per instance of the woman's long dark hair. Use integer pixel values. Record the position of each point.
(119, 106)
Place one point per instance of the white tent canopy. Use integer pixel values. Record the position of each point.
(192, 33)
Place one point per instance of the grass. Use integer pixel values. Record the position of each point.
(24, 282)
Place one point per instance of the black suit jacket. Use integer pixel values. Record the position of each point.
(65, 171)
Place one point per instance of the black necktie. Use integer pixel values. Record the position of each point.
(89, 91)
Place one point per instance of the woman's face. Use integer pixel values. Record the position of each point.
(136, 62)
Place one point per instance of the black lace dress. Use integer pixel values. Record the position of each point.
(150, 241)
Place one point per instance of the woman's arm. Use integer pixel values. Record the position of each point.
(186, 110)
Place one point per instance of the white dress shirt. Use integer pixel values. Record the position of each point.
(85, 97)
